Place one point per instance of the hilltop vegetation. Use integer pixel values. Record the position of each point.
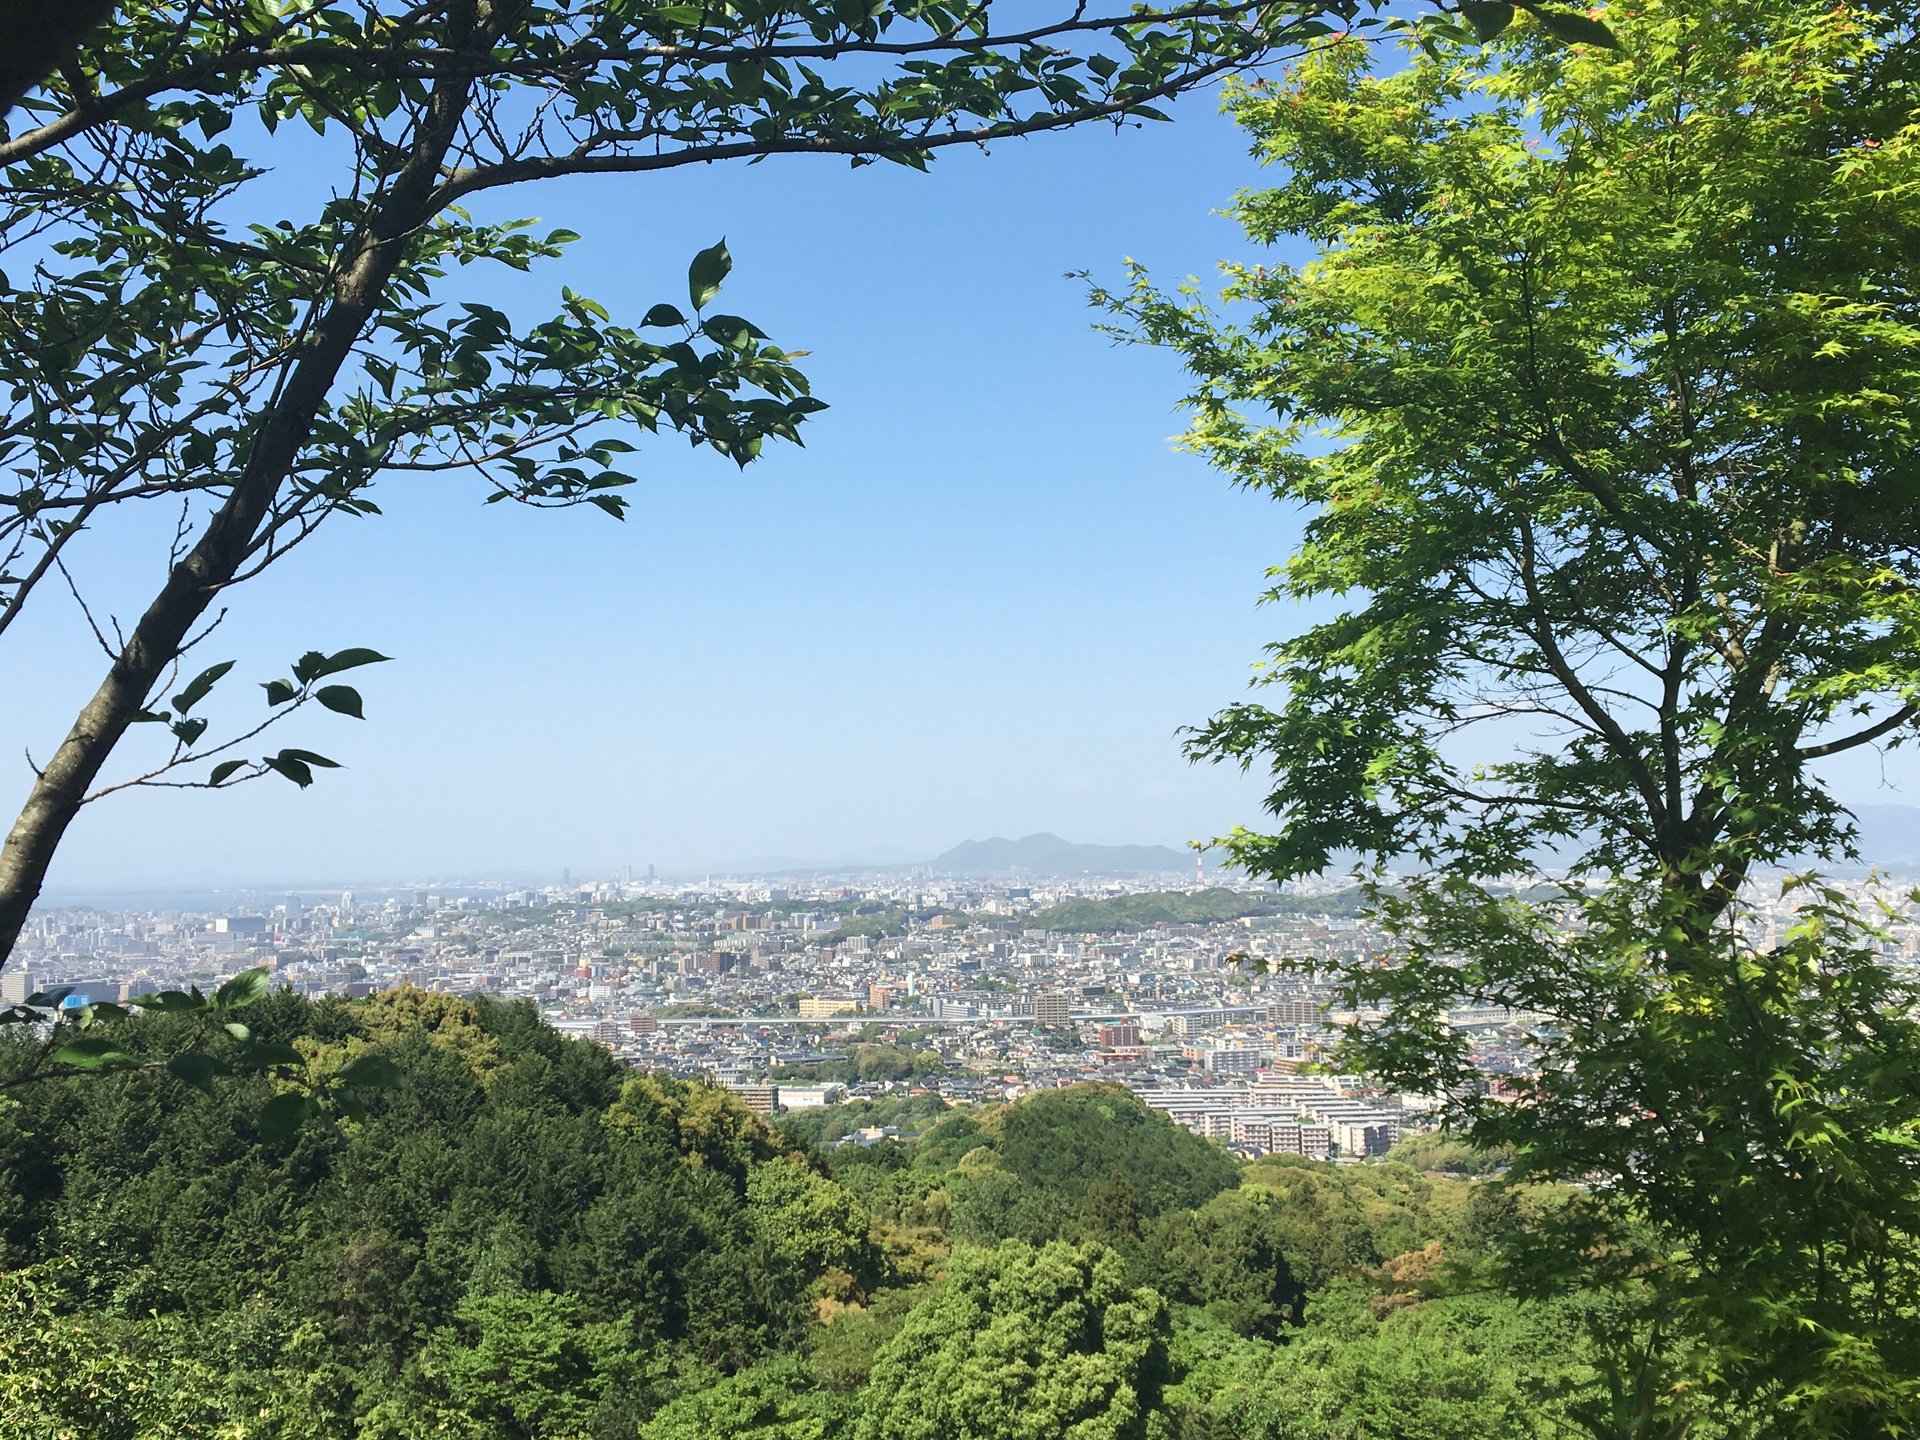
(1076, 1162)
(521, 1239)
(1187, 907)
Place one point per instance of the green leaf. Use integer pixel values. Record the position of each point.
(349, 659)
(237, 1030)
(224, 770)
(279, 692)
(706, 272)
(664, 315)
(1490, 19)
(307, 757)
(188, 731)
(731, 331)
(308, 667)
(90, 1051)
(371, 1072)
(171, 1001)
(196, 1069)
(48, 999)
(296, 772)
(1570, 27)
(582, 305)
(243, 989)
(262, 1054)
(341, 699)
(198, 687)
(283, 1115)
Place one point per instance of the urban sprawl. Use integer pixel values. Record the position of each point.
(807, 992)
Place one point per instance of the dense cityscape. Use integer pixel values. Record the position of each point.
(802, 991)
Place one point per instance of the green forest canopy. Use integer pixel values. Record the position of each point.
(521, 1239)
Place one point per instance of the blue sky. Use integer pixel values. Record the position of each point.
(982, 599)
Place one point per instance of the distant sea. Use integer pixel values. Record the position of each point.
(236, 899)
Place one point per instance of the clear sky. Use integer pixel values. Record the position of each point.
(981, 601)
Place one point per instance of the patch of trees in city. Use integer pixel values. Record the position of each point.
(1188, 907)
(866, 1062)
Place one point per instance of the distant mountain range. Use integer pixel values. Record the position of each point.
(1889, 840)
(1050, 855)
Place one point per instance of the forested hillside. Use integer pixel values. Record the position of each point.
(521, 1240)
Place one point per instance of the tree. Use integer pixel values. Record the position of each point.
(498, 1249)
(171, 339)
(37, 39)
(70, 1374)
(775, 1400)
(523, 1365)
(811, 1228)
(1597, 394)
(1479, 1366)
(1023, 1342)
(1228, 1256)
(200, 1038)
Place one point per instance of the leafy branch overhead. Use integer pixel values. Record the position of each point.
(1487, 20)
(284, 698)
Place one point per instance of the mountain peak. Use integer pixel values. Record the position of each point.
(1047, 854)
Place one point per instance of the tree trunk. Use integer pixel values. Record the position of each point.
(191, 586)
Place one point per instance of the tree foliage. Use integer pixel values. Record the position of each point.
(514, 1239)
(1597, 394)
(502, 1242)
(1023, 1343)
(776, 1400)
(1047, 1166)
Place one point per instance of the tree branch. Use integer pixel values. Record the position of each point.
(1860, 737)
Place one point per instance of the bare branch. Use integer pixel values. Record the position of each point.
(1885, 726)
